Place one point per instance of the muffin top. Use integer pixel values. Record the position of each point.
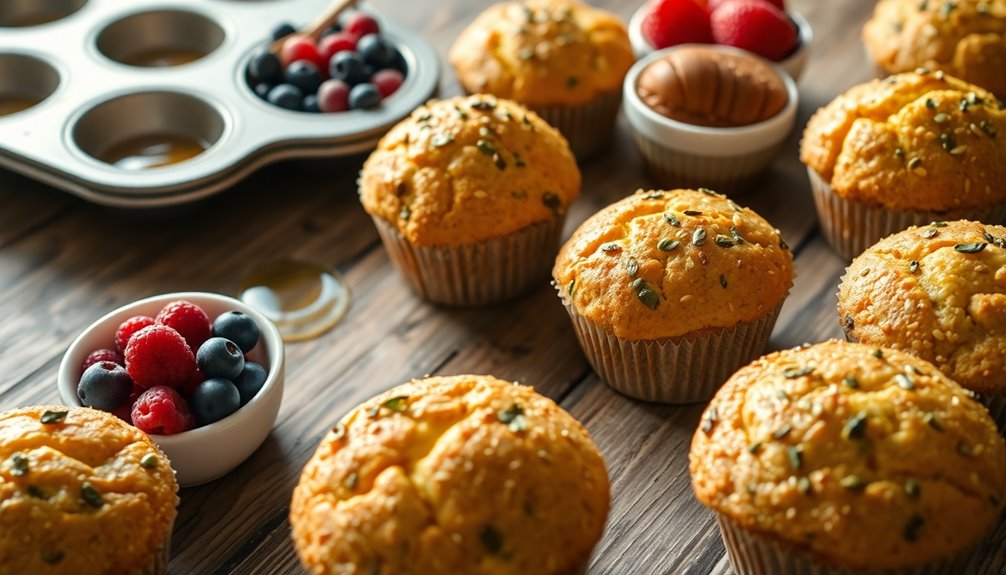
(81, 492)
(447, 475)
(911, 142)
(867, 458)
(700, 85)
(469, 169)
(543, 52)
(663, 264)
(937, 292)
(964, 38)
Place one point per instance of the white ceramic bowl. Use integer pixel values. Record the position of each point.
(681, 154)
(793, 65)
(205, 453)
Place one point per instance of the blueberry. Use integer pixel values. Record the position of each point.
(262, 90)
(266, 67)
(311, 104)
(364, 96)
(376, 51)
(237, 327)
(220, 357)
(400, 64)
(283, 30)
(215, 399)
(348, 67)
(286, 96)
(105, 385)
(251, 380)
(304, 75)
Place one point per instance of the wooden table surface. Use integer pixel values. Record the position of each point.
(64, 263)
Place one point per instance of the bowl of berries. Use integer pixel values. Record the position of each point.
(201, 373)
(763, 27)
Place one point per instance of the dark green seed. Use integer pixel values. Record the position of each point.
(931, 103)
(461, 113)
(899, 153)
(913, 266)
(441, 140)
(937, 224)
(572, 287)
(18, 465)
(932, 421)
(795, 455)
(877, 353)
(49, 417)
(911, 532)
(485, 147)
(36, 492)
(972, 248)
(338, 432)
(754, 448)
(610, 247)
(491, 539)
(397, 403)
(988, 128)
(709, 192)
(904, 381)
(672, 220)
(914, 163)
(638, 284)
(352, 480)
(855, 426)
(724, 241)
(930, 234)
(912, 488)
(53, 556)
(736, 235)
(632, 267)
(782, 431)
(795, 372)
(666, 245)
(149, 461)
(709, 420)
(853, 483)
(551, 201)
(405, 213)
(803, 484)
(851, 382)
(963, 106)
(723, 281)
(649, 298)
(91, 495)
(948, 142)
(483, 105)
(692, 213)
(699, 237)
(499, 161)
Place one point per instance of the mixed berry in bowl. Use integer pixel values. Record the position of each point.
(352, 66)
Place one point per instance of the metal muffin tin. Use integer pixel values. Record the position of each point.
(92, 101)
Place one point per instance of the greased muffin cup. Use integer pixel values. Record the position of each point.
(963, 38)
(82, 492)
(727, 157)
(445, 475)
(939, 293)
(561, 58)
(843, 458)
(669, 292)
(469, 196)
(902, 151)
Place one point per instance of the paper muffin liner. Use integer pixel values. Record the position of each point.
(673, 168)
(475, 274)
(753, 554)
(682, 370)
(587, 127)
(159, 562)
(851, 227)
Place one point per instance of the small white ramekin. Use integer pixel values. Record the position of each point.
(794, 64)
(678, 154)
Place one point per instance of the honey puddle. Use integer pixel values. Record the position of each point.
(152, 151)
(161, 57)
(13, 104)
(303, 299)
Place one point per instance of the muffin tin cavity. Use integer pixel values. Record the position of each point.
(24, 82)
(160, 38)
(24, 13)
(148, 130)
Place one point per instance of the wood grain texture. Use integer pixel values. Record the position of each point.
(63, 263)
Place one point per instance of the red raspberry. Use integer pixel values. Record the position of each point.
(299, 47)
(359, 24)
(672, 22)
(714, 4)
(189, 320)
(158, 355)
(388, 81)
(161, 411)
(100, 355)
(128, 328)
(329, 45)
(755, 26)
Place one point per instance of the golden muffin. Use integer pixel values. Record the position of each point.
(904, 151)
(841, 456)
(963, 38)
(469, 196)
(81, 493)
(671, 291)
(561, 58)
(937, 292)
(447, 475)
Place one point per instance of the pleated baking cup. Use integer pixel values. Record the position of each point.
(587, 127)
(851, 227)
(681, 370)
(159, 562)
(753, 554)
(672, 168)
(482, 273)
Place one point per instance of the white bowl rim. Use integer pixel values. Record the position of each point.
(269, 335)
(703, 140)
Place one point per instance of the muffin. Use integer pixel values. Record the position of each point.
(939, 293)
(841, 457)
(561, 58)
(963, 38)
(469, 196)
(82, 492)
(903, 151)
(669, 292)
(448, 475)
